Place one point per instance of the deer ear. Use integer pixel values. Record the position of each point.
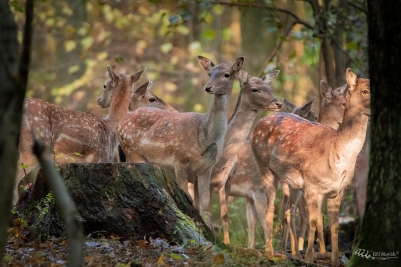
(271, 77)
(112, 76)
(243, 76)
(238, 64)
(325, 90)
(343, 88)
(351, 78)
(206, 63)
(135, 77)
(305, 109)
(289, 106)
(141, 90)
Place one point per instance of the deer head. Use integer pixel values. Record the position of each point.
(359, 93)
(113, 82)
(257, 92)
(222, 76)
(306, 111)
(332, 106)
(142, 97)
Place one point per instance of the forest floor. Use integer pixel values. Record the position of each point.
(25, 249)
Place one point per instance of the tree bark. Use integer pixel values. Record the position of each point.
(129, 200)
(381, 226)
(13, 77)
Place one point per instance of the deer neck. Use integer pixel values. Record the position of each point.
(216, 118)
(118, 107)
(350, 135)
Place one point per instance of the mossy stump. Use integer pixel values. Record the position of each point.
(126, 199)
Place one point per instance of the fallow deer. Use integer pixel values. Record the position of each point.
(256, 94)
(331, 114)
(285, 147)
(74, 136)
(187, 143)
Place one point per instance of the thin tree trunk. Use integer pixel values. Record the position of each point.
(13, 77)
(381, 226)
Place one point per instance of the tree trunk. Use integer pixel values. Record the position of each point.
(130, 200)
(381, 226)
(13, 77)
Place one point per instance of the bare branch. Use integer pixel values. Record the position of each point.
(64, 203)
(298, 20)
(357, 7)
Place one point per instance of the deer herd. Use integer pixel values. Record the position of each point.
(311, 155)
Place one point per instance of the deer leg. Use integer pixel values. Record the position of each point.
(286, 204)
(271, 184)
(304, 223)
(333, 209)
(311, 200)
(191, 190)
(203, 182)
(251, 220)
(291, 215)
(224, 213)
(320, 233)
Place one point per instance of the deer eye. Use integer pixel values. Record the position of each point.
(365, 92)
(209, 74)
(254, 90)
(104, 86)
(226, 74)
(152, 99)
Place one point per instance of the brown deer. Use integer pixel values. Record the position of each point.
(187, 143)
(74, 136)
(256, 94)
(331, 114)
(245, 181)
(285, 149)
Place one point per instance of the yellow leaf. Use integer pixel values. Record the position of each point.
(160, 261)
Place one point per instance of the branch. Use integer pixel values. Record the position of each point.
(357, 7)
(342, 50)
(298, 20)
(64, 203)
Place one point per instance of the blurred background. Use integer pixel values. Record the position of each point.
(75, 40)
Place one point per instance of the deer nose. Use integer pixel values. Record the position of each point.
(208, 88)
(279, 104)
(99, 102)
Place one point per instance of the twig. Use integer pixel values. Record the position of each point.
(298, 20)
(64, 203)
(357, 7)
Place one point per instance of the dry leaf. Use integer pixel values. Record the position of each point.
(160, 261)
(142, 243)
(219, 258)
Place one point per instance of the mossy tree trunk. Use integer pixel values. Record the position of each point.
(129, 200)
(381, 226)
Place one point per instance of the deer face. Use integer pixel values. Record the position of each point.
(257, 92)
(359, 89)
(222, 76)
(109, 87)
(333, 104)
(306, 111)
(142, 97)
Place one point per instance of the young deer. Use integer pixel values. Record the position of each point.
(331, 114)
(73, 135)
(256, 94)
(245, 181)
(141, 97)
(187, 143)
(285, 149)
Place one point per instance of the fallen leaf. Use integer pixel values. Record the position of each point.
(219, 258)
(142, 243)
(160, 261)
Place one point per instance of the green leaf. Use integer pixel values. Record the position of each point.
(209, 34)
(70, 45)
(165, 48)
(87, 42)
(119, 60)
(73, 69)
(76, 153)
(24, 166)
(16, 6)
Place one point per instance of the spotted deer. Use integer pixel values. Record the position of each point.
(74, 136)
(256, 94)
(185, 143)
(331, 114)
(285, 149)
